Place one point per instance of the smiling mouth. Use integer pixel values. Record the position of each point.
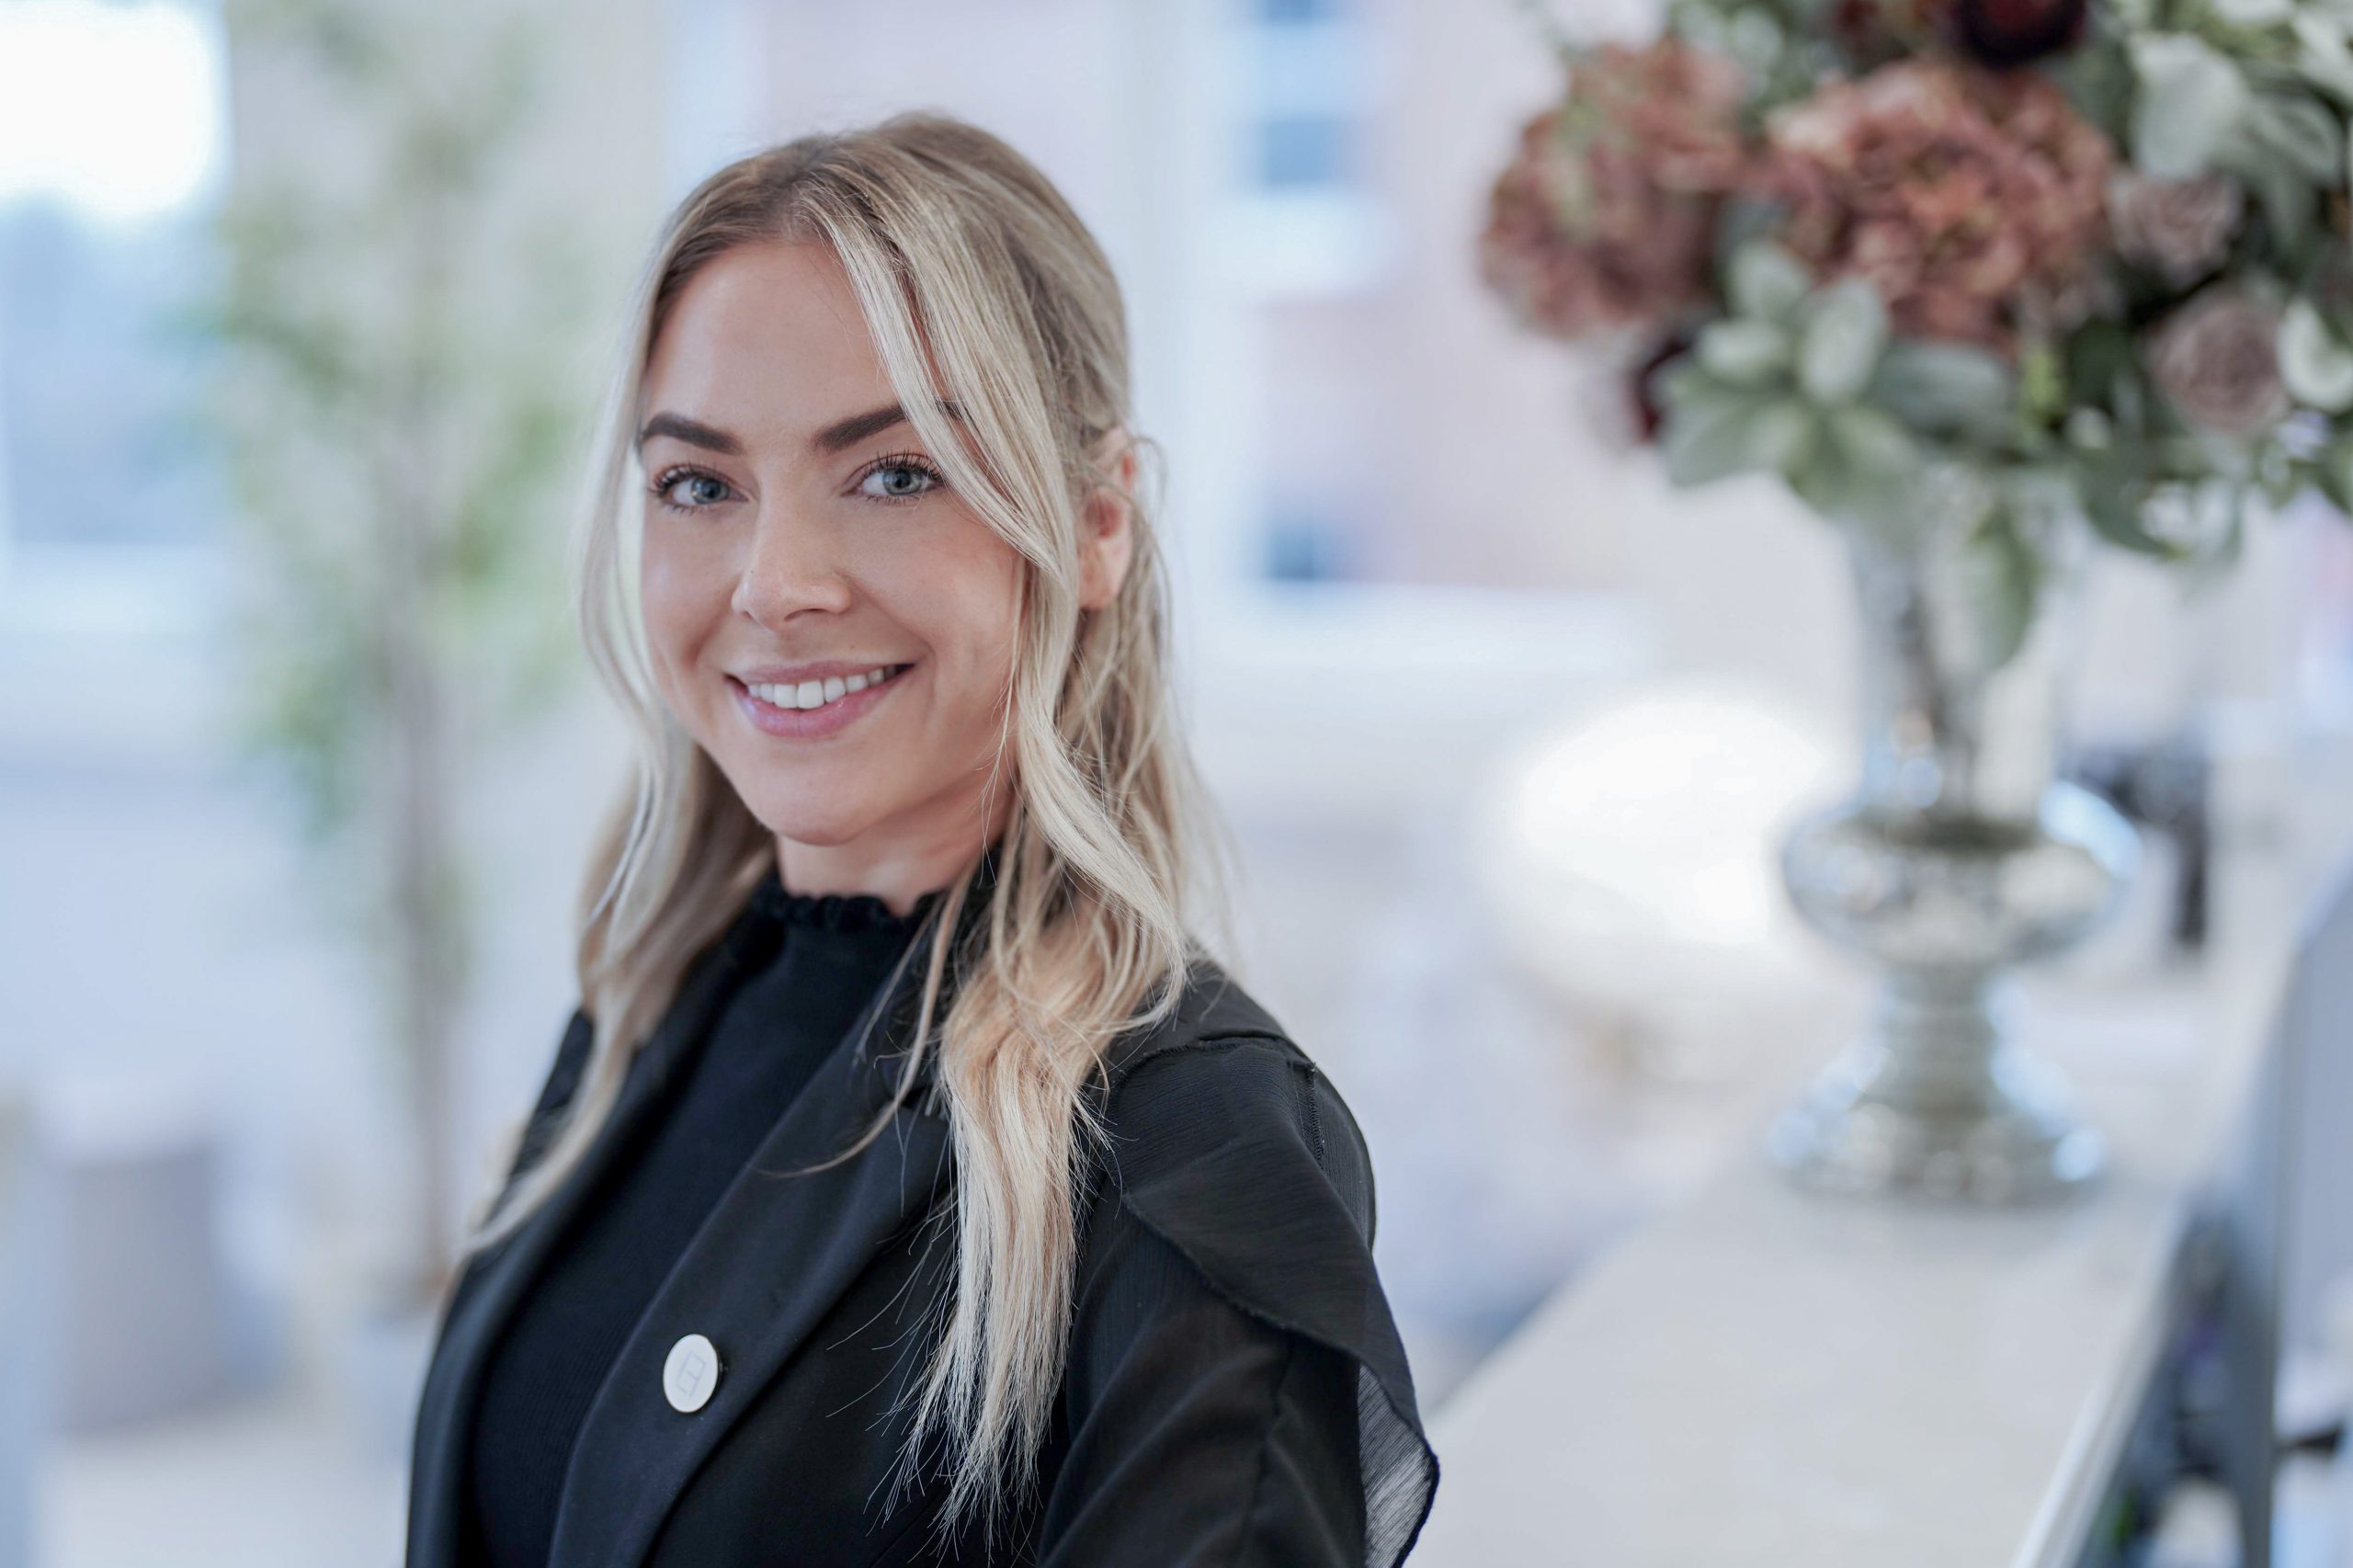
(810, 695)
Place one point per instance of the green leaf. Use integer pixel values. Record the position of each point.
(2322, 56)
(1863, 470)
(1785, 437)
(1690, 394)
(2299, 131)
(2190, 100)
(1744, 351)
(1873, 442)
(2333, 472)
(1713, 441)
(1766, 282)
(2005, 576)
(2112, 505)
(2096, 355)
(1946, 388)
(2315, 363)
(1845, 331)
(1705, 441)
(1832, 488)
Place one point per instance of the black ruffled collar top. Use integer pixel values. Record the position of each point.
(835, 911)
(771, 900)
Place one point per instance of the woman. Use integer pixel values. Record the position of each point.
(909, 1187)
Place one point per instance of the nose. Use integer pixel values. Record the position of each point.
(792, 566)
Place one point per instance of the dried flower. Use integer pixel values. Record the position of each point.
(2217, 359)
(1605, 214)
(2180, 230)
(2003, 33)
(1872, 32)
(1973, 200)
(1996, 33)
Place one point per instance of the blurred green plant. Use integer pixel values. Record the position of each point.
(394, 389)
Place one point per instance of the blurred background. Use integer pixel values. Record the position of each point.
(1506, 726)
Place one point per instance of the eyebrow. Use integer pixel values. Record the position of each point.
(839, 436)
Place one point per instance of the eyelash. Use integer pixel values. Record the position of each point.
(660, 488)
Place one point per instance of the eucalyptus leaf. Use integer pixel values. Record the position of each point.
(2004, 575)
(2315, 363)
(2322, 54)
(2096, 357)
(2111, 504)
(1844, 333)
(2336, 467)
(1707, 442)
(1836, 489)
(1873, 442)
(1785, 435)
(1766, 282)
(2289, 200)
(1691, 396)
(1744, 351)
(1945, 388)
(2252, 13)
(2089, 428)
(2328, 475)
(2301, 131)
(2191, 101)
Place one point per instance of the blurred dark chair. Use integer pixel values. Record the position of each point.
(25, 1245)
(2279, 1229)
(2164, 786)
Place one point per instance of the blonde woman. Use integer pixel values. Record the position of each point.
(910, 1185)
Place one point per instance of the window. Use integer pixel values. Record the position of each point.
(112, 155)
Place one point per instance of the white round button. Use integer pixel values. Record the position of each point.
(691, 1373)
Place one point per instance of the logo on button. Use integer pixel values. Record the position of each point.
(691, 1373)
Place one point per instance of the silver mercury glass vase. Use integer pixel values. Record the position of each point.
(1960, 855)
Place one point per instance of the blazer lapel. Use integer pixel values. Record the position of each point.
(761, 1272)
(487, 1294)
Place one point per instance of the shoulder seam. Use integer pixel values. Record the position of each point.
(1308, 1070)
(1219, 1042)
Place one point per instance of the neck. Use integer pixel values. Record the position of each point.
(897, 868)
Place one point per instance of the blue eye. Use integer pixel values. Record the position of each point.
(906, 478)
(671, 479)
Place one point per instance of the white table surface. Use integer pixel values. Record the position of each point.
(1768, 1376)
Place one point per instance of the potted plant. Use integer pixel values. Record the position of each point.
(1988, 284)
(394, 390)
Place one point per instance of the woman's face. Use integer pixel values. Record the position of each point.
(798, 539)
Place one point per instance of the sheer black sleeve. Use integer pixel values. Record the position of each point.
(1236, 1393)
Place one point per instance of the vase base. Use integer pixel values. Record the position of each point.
(2021, 1144)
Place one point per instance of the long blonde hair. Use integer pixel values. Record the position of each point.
(957, 244)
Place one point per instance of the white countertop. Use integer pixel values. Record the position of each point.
(1768, 1376)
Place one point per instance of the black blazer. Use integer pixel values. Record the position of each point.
(1226, 1252)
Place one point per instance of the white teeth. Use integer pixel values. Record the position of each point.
(817, 693)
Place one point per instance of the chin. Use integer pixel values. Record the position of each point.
(789, 815)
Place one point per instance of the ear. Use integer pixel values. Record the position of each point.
(1107, 540)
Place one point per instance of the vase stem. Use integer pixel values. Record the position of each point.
(1959, 856)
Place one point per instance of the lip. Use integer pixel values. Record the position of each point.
(813, 723)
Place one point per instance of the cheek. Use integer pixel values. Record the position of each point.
(977, 598)
(678, 591)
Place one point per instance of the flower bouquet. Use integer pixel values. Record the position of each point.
(1984, 282)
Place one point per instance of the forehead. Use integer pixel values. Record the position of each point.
(769, 341)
